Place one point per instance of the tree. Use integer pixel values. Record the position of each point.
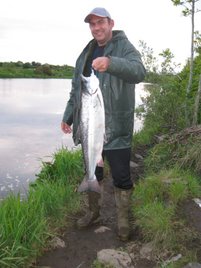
(47, 69)
(167, 65)
(44, 69)
(196, 106)
(150, 62)
(35, 64)
(27, 65)
(148, 57)
(189, 10)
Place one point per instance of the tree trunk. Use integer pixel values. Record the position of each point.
(188, 89)
(196, 105)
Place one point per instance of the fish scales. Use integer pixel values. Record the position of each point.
(92, 130)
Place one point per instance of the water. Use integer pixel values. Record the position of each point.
(31, 111)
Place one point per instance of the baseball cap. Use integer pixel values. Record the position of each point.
(98, 11)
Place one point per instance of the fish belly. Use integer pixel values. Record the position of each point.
(92, 129)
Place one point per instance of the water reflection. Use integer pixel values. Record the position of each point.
(31, 111)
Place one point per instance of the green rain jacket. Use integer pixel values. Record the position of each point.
(118, 88)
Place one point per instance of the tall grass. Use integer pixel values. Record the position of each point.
(155, 202)
(26, 225)
(66, 165)
(145, 136)
(155, 222)
(173, 151)
(23, 229)
(192, 156)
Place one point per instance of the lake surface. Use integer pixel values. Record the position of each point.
(31, 111)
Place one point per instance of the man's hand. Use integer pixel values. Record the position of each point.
(66, 128)
(101, 64)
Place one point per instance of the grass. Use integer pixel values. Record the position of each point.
(144, 136)
(183, 153)
(154, 220)
(23, 230)
(172, 169)
(155, 204)
(27, 225)
(192, 157)
(97, 264)
(66, 165)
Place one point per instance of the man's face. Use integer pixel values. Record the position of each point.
(101, 29)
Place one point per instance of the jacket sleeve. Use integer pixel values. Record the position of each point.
(127, 64)
(68, 113)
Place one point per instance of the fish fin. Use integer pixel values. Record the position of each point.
(89, 186)
(94, 186)
(83, 186)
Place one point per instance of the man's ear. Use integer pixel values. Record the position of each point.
(112, 23)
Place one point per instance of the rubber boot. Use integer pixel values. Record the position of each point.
(122, 199)
(92, 215)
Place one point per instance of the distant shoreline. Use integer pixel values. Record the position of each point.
(34, 70)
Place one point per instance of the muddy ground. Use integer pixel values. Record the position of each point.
(81, 246)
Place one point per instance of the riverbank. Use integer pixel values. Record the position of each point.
(34, 70)
(163, 216)
(27, 225)
(158, 239)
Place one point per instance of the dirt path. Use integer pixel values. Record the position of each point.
(81, 246)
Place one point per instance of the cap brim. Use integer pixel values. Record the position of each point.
(87, 19)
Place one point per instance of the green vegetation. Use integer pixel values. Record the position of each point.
(173, 162)
(181, 149)
(34, 70)
(164, 110)
(172, 166)
(156, 204)
(27, 226)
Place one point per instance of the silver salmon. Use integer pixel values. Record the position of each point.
(92, 131)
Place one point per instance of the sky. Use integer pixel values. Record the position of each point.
(54, 32)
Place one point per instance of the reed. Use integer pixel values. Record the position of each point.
(26, 225)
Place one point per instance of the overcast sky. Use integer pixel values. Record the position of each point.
(53, 31)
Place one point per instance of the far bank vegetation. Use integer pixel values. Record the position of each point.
(34, 70)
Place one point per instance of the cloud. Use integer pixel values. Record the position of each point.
(53, 31)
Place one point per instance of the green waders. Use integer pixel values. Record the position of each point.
(122, 199)
(93, 211)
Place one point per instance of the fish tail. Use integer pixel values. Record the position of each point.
(89, 185)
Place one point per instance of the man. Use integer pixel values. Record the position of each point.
(118, 66)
